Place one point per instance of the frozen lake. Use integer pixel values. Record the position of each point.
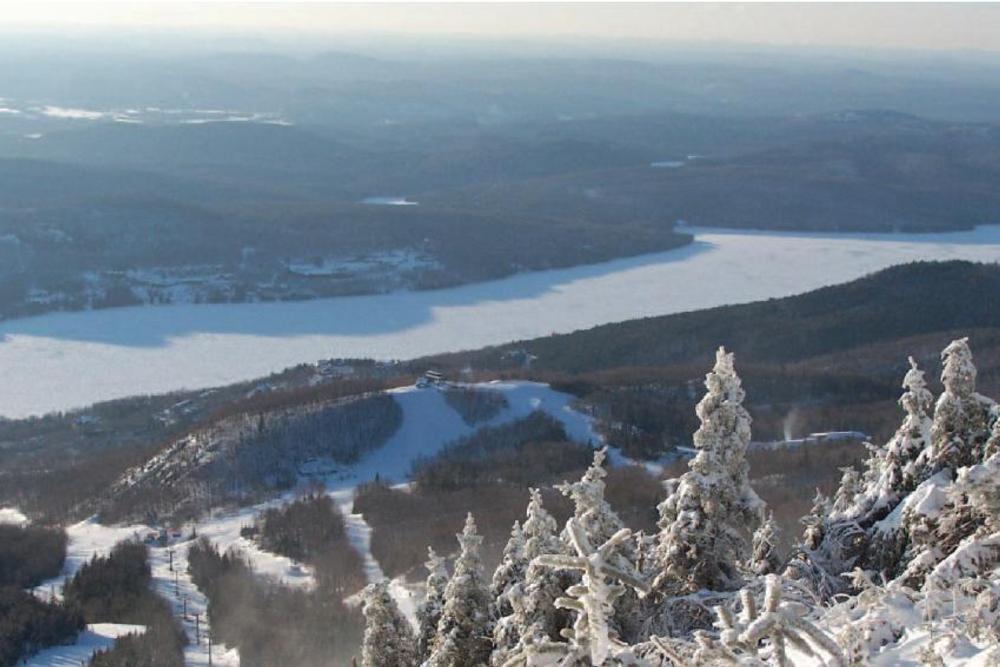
(62, 361)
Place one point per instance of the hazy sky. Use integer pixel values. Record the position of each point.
(878, 25)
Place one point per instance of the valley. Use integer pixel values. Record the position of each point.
(70, 360)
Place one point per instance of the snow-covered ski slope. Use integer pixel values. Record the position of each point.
(89, 539)
(66, 360)
(96, 637)
(86, 540)
(429, 423)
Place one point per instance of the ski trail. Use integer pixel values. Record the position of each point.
(89, 538)
(85, 540)
(95, 637)
(173, 583)
(359, 536)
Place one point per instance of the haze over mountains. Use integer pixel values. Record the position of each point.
(194, 175)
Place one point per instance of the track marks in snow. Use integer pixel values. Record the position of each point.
(189, 605)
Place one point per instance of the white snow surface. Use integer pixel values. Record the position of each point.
(12, 515)
(86, 540)
(66, 360)
(177, 588)
(95, 637)
(428, 424)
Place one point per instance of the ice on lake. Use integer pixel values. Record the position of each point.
(66, 360)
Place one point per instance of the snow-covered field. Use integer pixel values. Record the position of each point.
(96, 637)
(61, 361)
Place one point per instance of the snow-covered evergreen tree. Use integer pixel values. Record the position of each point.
(592, 640)
(507, 590)
(849, 490)
(705, 520)
(513, 563)
(429, 612)
(765, 557)
(903, 563)
(538, 617)
(590, 509)
(388, 639)
(593, 514)
(902, 465)
(463, 631)
(992, 447)
(770, 632)
(813, 531)
(960, 426)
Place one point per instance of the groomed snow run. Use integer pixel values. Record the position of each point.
(189, 605)
(95, 637)
(428, 424)
(86, 540)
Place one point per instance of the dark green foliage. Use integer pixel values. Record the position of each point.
(27, 624)
(342, 431)
(270, 624)
(110, 589)
(311, 530)
(518, 453)
(30, 554)
(475, 405)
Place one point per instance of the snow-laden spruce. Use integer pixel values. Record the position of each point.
(902, 566)
(961, 415)
(507, 591)
(706, 516)
(462, 632)
(591, 639)
(388, 640)
(897, 468)
(535, 617)
(429, 612)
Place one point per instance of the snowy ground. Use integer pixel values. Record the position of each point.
(94, 638)
(429, 423)
(12, 515)
(86, 540)
(189, 605)
(61, 361)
